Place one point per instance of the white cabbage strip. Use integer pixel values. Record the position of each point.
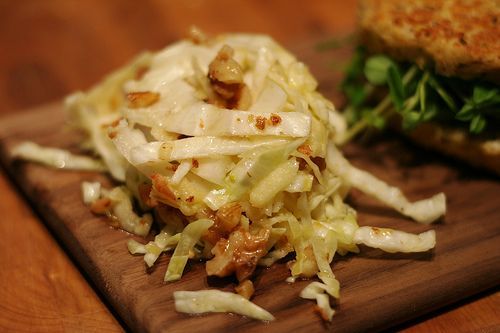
(390, 240)
(55, 157)
(218, 301)
(423, 211)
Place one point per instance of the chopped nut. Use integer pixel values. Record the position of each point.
(228, 216)
(190, 199)
(226, 80)
(195, 163)
(142, 99)
(260, 122)
(224, 68)
(225, 220)
(245, 289)
(275, 119)
(161, 190)
(240, 253)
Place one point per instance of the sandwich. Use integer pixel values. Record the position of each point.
(430, 69)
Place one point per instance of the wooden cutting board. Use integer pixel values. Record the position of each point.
(378, 290)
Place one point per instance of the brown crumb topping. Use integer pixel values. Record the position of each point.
(142, 99)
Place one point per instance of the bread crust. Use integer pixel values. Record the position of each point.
(457, 37)
(478, 151)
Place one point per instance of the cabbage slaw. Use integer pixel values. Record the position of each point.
(252, 185)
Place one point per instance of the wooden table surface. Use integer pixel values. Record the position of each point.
(53, 47)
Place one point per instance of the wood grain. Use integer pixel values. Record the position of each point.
(39, 279)
(53, 47)
(378, 289)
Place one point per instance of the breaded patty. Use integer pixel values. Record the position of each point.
(457, 37)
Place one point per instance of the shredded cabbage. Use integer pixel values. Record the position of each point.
(218, 301)
(424, 211)
(391, 240)
(190, 235)
(229, 146)
(152, 250)
(55, 157)
(91, 191)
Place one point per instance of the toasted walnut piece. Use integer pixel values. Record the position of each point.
(239, 254)
(245, 289)
(228, 216)
(161, 190)
(226, 81)
(247, 256)
(225, 220)
(224, 68)
(142, 99)
(226, 91)
(222, 263)
(101, 206)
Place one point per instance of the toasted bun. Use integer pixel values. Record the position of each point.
(457, 37)
(478, 151)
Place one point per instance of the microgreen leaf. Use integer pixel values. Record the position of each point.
(483, 94)
(355, 94)
(396, 87)
(376, 69)
(442, 93)
(410, 120)
(421, 88)
(373, 119)
(477, 124)
(430, 111)
(466, 113)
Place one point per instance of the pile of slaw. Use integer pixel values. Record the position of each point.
(226, 146)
